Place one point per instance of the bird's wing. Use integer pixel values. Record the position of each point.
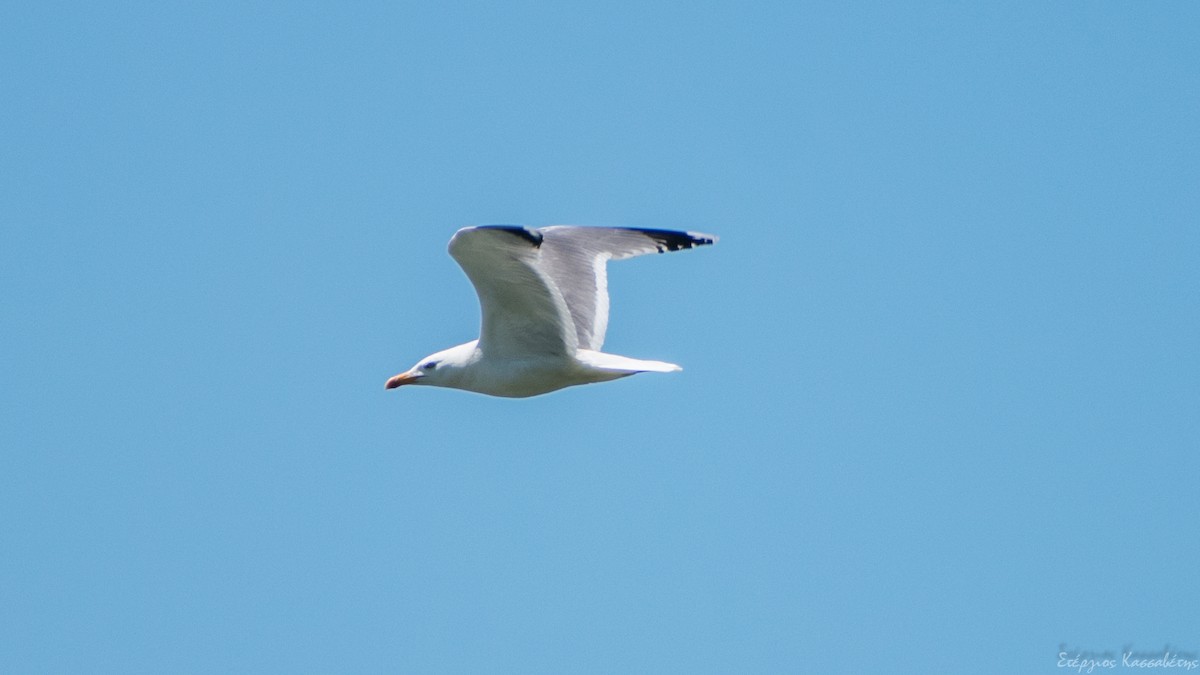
(524, 314)
(575, 259)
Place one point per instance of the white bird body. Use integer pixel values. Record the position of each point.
(543, 296)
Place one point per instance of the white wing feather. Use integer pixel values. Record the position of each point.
(523, 312)
(576, 258)
(545, 291)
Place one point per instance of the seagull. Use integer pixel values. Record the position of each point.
(543, 294)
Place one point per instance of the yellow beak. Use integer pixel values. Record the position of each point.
(401, 379)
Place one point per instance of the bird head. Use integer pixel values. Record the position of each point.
(442, 369)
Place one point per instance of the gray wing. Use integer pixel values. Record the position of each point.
(523, 312)
(576, 258)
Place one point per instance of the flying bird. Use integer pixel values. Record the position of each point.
(543, 294)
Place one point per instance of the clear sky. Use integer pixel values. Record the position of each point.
(940, 406)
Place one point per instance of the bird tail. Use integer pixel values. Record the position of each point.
(624, 364)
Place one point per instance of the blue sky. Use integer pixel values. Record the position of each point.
(939, 405)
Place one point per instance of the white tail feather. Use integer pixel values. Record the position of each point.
(623, 364)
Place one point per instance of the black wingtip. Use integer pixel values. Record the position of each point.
(674, 240)
(530, 235)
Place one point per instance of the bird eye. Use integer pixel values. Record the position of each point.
(429, 366)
